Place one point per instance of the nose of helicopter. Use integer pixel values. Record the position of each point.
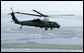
(58, 26)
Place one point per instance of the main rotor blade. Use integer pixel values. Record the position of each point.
(38, 12)
(41, 13)
(28, 14)
(66, 15)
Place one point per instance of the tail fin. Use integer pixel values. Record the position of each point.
(13, 17)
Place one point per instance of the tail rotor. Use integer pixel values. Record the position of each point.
(12, 11)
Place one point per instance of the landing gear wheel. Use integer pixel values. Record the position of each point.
(46, 28)
(21, 26)
(51, 28)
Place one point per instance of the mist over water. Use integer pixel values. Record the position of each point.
(70, 32)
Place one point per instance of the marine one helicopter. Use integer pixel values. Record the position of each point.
(45, 23)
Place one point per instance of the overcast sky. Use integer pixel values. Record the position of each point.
(24, 6)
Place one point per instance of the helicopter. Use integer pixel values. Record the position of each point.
(45, 23)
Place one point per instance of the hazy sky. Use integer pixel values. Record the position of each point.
(24, 6)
